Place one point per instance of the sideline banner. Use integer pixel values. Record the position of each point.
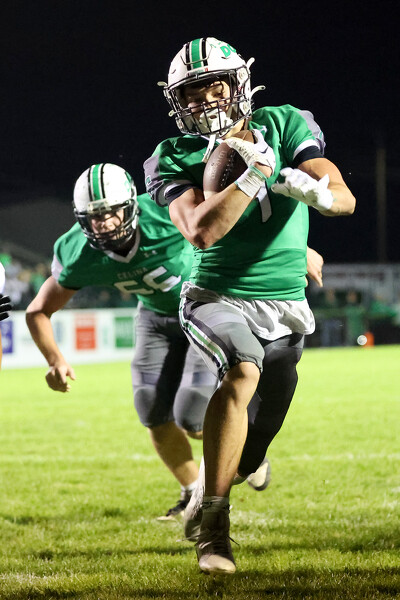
(83, 336)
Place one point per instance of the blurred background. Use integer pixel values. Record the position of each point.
(79, 86)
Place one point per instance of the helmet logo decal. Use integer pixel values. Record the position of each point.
(227, 50)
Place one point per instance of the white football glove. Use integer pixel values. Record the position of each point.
(253, 179)
(302, 187)
(251, 153)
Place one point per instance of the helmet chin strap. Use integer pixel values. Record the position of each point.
(218, 120)
(211, 143)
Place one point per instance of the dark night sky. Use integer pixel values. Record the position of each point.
(79, 86)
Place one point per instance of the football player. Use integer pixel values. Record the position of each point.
(127, 242)
(244, 305)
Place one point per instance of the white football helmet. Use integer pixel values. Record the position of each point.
(101, 189)
(200, 62)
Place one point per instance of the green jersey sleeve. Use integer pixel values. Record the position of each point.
(175, 166)
(292, 133)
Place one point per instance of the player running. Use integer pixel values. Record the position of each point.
(244, 305)
(127, 242)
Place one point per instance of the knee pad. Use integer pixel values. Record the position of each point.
(190, 407)
(150, 406)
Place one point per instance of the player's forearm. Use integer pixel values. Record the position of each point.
(344, 202)
(42, 334)
(205, 222)
(219, 213)
(315, 263)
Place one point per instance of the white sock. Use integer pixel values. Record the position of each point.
(189, 488)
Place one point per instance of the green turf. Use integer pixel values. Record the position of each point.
(81, 487)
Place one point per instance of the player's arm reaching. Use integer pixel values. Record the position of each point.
(50, 298)
(205, 220)
(315, 263)
(318, 183)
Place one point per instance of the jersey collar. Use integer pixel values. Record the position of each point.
(131, 253)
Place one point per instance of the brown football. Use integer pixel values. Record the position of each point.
(225, 165)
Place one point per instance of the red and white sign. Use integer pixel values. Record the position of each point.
(85, 332)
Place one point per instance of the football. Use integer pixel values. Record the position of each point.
(225, 165)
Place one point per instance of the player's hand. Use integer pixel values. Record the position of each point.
(56, 377)
(259, 144)
(5, 307)
(251, 153)
(302, 187)
(315, 263)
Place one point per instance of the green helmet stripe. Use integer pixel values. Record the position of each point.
(97, 182)
(196, 59)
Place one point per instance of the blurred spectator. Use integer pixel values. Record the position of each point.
(396, 309)
(127, 300)
(355, 313)
(382, 320)
(18, 286)
(331, 326)
(39, 275)
(380, 308)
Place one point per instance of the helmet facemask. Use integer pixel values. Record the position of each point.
(215, 117)
(117, 238)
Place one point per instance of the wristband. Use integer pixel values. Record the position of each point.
(251, 181)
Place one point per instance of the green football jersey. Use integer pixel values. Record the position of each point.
(154, 270)
(264, 254)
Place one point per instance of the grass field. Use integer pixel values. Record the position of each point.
(81, 487)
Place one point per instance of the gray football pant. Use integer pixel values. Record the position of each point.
(170, 380)
(221, 334)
